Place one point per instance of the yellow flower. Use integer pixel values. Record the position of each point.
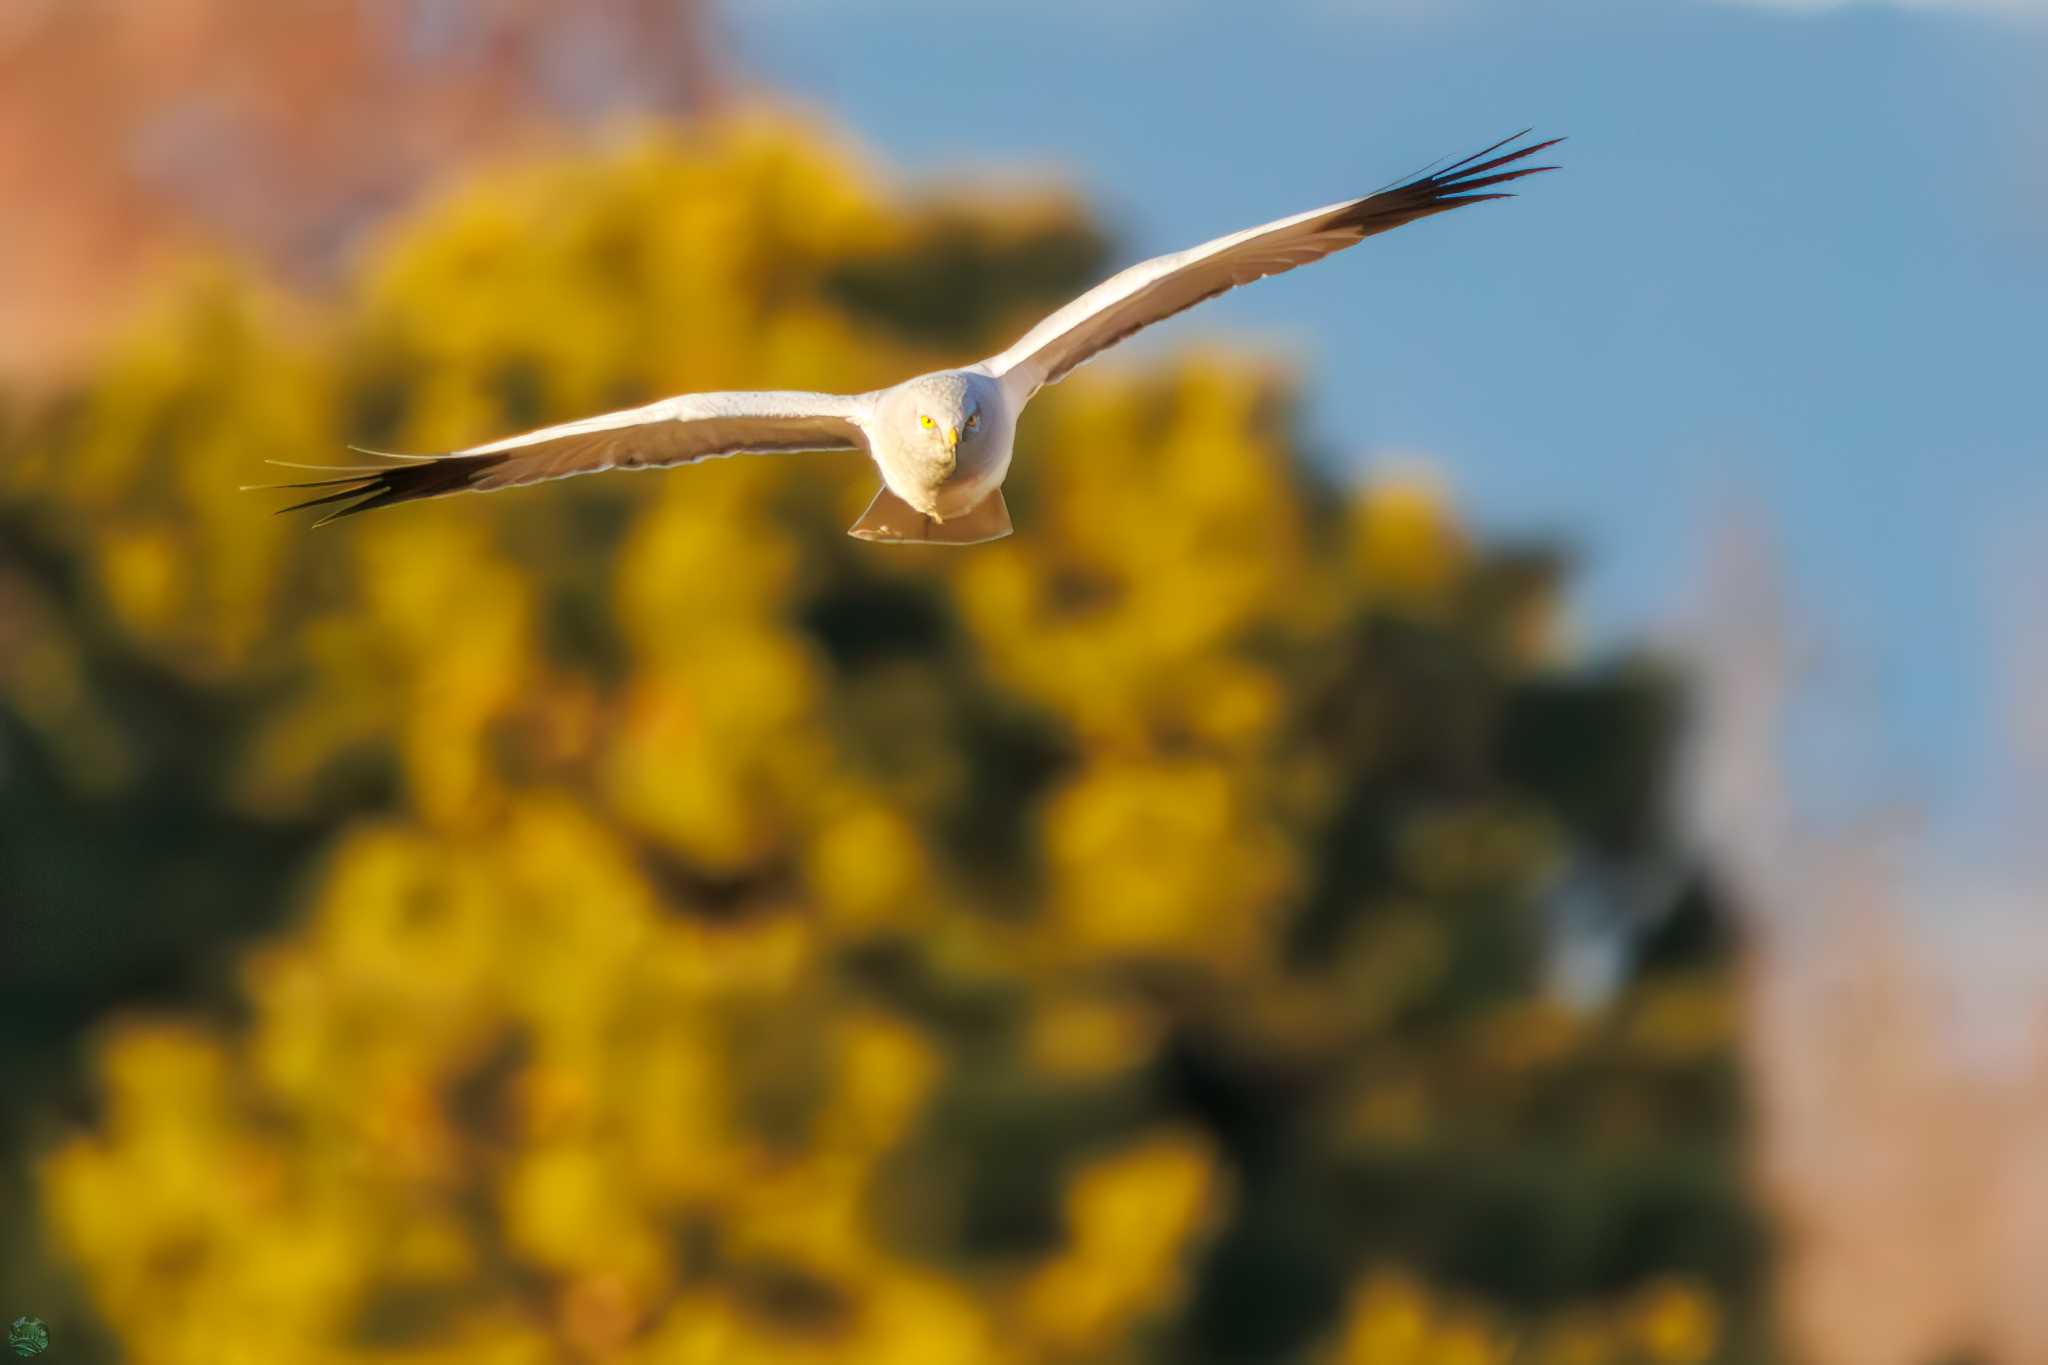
(1131, 1221)
(1681, 1020)
(1393, 1320)
(1677, 1322)
(1165, 860)
(1405, 545)
(1085, 1038)
(868, 869)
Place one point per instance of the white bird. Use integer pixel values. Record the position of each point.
(941, 441)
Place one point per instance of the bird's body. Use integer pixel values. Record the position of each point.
(946, 470)
(941, 441)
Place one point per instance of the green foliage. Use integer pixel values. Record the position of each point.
(690, 934)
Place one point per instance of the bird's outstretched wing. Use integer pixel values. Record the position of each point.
(1157, 289)
(695, 426)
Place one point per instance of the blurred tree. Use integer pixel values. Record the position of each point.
(719, 939)
(280, 132)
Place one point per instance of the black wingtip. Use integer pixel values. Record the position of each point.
(364, 488)
(395, 455)
(1456, 166)
(1480, 162)
(1454, 185)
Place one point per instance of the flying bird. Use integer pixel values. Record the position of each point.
(941, 441)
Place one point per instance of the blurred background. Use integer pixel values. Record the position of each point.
(1492, 812)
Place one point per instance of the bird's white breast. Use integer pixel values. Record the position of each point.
(941, 483)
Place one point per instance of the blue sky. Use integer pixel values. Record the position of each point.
(1799, 256)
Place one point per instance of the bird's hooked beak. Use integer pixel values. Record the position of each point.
(952, 439)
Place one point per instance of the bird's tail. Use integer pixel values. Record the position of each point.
(895, 521)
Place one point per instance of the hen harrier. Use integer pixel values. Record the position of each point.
(941, 441)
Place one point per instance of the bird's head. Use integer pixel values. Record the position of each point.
(940, 413)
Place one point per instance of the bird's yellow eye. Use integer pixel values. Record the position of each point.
(973, 420)
(926, 423)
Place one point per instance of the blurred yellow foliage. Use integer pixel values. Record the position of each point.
(1684, 1018)
(1405, 542)
(728, 942)
(1129, 1218)
(1392, 1320)
(1677, 1323)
